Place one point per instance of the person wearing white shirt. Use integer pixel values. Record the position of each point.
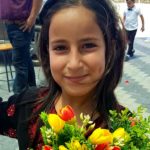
(130, 20)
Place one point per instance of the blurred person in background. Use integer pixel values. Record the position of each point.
(130, 20)
(20, 17)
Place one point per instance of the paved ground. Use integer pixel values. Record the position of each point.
(133, 90)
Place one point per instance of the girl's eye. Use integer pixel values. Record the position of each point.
(89, 46)
(60, 48)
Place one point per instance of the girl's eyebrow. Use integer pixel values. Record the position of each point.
(81, 40)
(58, 41)
(89, 39)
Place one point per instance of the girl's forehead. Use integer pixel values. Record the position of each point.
(73, 10)
(78, 13)
(74, 23)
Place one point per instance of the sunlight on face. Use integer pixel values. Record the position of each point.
(77, 51)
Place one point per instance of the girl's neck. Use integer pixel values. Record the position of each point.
(80, 105)
(75, 101)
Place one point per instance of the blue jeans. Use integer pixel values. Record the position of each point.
(25, 75)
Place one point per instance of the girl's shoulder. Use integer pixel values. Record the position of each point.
(24, 100)
(29, 95)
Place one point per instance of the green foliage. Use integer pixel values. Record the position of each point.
(119, 120)
(44, 118)
(139, 132)
(136, 126)
(67, 133)
(70, 133)
(43, 132)
(64, 137)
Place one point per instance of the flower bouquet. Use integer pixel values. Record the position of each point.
(62, 132)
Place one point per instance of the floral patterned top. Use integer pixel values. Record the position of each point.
(15, 118)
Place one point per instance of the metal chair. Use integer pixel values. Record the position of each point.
(5, 51)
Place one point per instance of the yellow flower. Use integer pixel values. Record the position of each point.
(100, 136)
(121, 134)
(84, 147)
(61, 147)
(55, 122)
(75, 145)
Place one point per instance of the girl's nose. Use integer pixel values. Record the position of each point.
(75, 60)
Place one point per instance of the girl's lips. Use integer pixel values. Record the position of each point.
(75, 78)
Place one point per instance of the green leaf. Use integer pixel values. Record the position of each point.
(139, 133)
(44, 118)
(69, 131)
(43, 132)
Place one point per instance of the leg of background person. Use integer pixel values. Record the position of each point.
(21, 56)
(31, 74)
(131, 37)
(133, 33)
(129, 42)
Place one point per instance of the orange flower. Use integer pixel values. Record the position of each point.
(67, 113)
(46, 147)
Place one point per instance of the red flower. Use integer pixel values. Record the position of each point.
(11, 110)
(11, 133)
(106, 146)
(46, 147)
(102, 146)
(67, 113)
(116, 148)
(133, 121)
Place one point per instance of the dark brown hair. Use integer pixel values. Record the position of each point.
(131, 1)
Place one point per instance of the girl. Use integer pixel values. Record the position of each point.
(82, 50)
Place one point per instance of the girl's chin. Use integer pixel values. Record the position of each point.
(74, 92)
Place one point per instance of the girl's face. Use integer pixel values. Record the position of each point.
(76, 50)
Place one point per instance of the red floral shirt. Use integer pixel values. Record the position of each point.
(9, 120)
